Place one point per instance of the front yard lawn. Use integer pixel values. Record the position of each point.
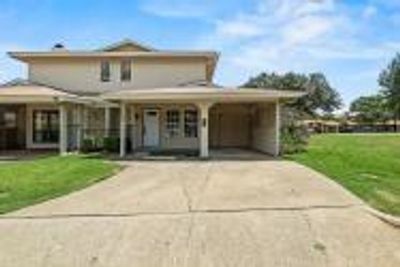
(366, 164)
(28, 182)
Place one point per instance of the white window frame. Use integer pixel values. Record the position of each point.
(173, 122)
(191, 127)
(128, 77)
(105, 71)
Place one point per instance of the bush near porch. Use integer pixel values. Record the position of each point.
(29, 182)
(366, 164)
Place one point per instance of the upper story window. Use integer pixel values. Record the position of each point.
(126, 70)
(105, 72)
(173, 122)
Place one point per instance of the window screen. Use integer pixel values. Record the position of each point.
(191, 123)
(173, 122)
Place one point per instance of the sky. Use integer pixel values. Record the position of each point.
(349, 41)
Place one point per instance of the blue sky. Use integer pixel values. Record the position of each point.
(349, 41)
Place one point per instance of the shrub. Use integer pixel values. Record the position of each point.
(294, 135)
(111, 144)
(87, 145)
(294, 138)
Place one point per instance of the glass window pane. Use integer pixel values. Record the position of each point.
(10, 120)
(191, 123)
(105, 71)
(126, 70)
(45, 126)
(173, 122)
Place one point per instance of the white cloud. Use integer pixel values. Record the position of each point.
(296, 35)
(238, 29)
(369, 12)
(306, 29)
(177, 8)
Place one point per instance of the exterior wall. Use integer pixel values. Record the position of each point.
(166, 142)
(230, 125)
(29, 125)
(264, 131)
(83, 75)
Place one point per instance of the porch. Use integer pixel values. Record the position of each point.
(163, 120)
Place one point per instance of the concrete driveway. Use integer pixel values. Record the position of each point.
(188, 213)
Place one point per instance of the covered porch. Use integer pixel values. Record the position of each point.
(186, 120)
(199, 120)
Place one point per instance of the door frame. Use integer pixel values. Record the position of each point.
(157, 110)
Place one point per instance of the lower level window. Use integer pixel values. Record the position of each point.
(45, 126)
(191, 123)
(173, 122)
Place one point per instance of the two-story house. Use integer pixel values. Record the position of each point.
(149, 99)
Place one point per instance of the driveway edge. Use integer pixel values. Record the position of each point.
(390, 219)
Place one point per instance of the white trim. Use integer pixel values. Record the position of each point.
(277, 128)
(63, 132)
(122, 129)
(156, 138)
(204, 128)
(29, 126)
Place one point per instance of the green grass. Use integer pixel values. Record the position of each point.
(28, 182)
(366, 164)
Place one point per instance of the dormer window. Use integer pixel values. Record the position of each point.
(105, 71)
(126, 70)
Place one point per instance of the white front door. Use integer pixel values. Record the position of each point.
(151, 128)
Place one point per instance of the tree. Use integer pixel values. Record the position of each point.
(389, 80)
(320, 95)
(370, 109)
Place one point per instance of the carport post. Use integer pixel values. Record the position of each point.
(204, 107)
(122, 130)
(63, 140)
(277, 128)
(107, 119)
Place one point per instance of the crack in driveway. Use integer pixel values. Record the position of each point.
(180, 213)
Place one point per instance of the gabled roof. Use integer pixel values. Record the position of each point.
(127, 45)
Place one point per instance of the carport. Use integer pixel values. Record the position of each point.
(250, 126)
(245, 118)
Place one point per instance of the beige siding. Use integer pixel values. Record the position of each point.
(83, 75)
(166, 141)
(230, 125)
(264, 129)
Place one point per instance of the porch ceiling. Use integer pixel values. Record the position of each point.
(213, 94)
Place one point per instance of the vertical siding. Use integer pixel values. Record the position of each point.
(265, 129)
(166, 142)
(230, 125)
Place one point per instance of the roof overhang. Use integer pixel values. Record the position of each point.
(212, 94)
(27, 56)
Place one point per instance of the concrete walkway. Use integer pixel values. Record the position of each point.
(188, 213)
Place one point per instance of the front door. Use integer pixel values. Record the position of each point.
(151, 128)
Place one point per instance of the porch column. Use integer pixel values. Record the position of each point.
(107, 120)
(277, 128)
(122, 130)
(133, 127)
(85, 113)
(204, 107)
(63, 143)
(79, 110)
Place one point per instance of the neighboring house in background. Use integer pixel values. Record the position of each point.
(322, 126)
(149, 99)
